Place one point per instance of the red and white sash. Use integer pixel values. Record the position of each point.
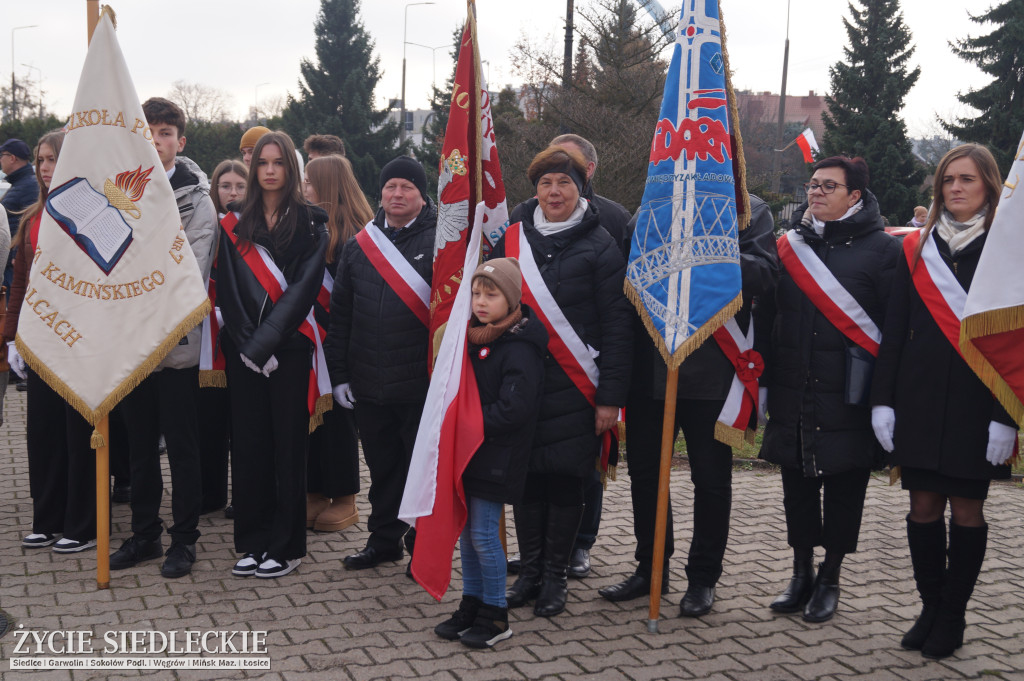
(564, 344)
(826, 293)
(942, 294)
(397, 272)
(319, 397)
(211, 358)
(733, 426)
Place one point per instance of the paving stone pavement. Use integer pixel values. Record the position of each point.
(327, 623)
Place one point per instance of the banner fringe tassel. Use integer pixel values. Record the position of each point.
(986, 324)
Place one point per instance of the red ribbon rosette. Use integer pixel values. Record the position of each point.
(749, 365)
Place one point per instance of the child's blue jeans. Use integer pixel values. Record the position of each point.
(483, 559)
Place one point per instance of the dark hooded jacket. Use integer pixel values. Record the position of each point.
(510, 377)
(584, 271)
(810, 426)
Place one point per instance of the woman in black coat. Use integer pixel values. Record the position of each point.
(268, 357)
(582, 271)
(941, 424)
(819, 431)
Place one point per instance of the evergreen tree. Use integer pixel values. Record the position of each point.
(336, 94)
(1001, 103)
(868, 90)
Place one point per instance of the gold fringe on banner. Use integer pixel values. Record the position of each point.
(743, 220)
(673, 360)
(127, 385)
(987, 324)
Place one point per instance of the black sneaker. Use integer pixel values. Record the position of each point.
(180, 558)
(134, 551)
(66, 545)
(461, 620)
(489, 627)
(272, 567)
(38, 540)
(247, 565)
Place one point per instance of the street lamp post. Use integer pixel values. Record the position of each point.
(256, 100)
(405, 26)
(14, 85)
(29, 66)
(433, 57)
(776, 153)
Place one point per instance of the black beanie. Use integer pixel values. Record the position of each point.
(405, 168)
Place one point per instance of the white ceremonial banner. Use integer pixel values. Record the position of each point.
(114, 285)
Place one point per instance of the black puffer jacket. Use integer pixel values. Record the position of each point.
(584, 271)
(375, 342)
(510, 377)
(942, 407)
(810, 426)
(258, 326)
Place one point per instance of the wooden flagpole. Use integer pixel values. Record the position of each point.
(92, 13)
(668, 431)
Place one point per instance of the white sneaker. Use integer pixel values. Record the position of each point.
(246, 566)
(37, 540)
(66, 545)
(272, 567)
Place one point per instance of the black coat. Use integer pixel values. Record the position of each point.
(258, 326)
(375, 342)
(510, 377)
(942, 407)
(810, 426)
(584, 271)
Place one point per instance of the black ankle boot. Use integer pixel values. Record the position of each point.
(531, 523)
(927, 543)
(965, 555)
(563, 522)
(824, 600)
(796, 595)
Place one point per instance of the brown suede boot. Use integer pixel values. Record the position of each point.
(341, 513)
(316, 504)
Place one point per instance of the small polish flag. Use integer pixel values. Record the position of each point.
(807, 145)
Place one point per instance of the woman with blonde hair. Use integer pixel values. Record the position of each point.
(332, 475)
(933, 415)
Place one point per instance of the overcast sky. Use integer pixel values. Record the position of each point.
(252, 48)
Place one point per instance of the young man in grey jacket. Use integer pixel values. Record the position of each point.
(166, 401)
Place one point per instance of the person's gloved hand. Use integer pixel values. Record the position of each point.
(15, 359)
(1001, 439)
(343, 395)
(269, 366)
(762, 406)
(883, 422)
(249, 363)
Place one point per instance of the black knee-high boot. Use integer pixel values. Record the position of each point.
(927, 543)
(531, 524)
(563, 523)
(965, 555)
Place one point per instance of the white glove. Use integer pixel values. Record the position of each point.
(15, 359)
(343, 395)
(269, 366)
(762, 406)
(883, 422)
(1000, 442)
(249, 363)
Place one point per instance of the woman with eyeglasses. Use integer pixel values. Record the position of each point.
(821, 334)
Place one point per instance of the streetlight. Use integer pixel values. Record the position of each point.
(255, 101)
(433, 56)
(405, 26)
(29, 66)
(14, 85)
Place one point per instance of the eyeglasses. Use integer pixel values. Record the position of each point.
(825, 187)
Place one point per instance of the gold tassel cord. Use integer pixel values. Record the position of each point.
(734, 124)
(109, 11)
(97, 441)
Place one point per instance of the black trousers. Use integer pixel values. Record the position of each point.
(214, 444)
(270, 434)
(830, 519)
(119, 451)
(165, 402)
(593, 504)
(710, 473)
(388, 433)
(334, 455)
(61, 465)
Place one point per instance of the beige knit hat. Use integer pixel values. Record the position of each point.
(505, 274)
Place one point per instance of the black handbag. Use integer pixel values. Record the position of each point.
(860, 365)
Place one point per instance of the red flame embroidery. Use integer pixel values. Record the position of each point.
(133, 182)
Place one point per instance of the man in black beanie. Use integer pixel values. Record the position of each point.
(377, 348)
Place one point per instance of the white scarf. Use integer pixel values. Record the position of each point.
(819, 227)
(547, 228)
(959, 234)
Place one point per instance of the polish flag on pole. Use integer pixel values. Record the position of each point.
(808, 145)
